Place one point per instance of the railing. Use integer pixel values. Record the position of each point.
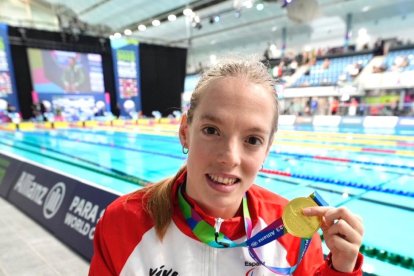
(347, 109)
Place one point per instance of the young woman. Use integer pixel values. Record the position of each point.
(209, 218)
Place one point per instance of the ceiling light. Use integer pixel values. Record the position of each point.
(172, 17)
(213, 59)
(142, 28)
(366, 8)
(240, 4)
(156, 23)
(273, 47)
(127, 32)
(117, 35)
(362, 32)
(259, 7)
(187, 12)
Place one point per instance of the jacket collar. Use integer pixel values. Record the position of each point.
(232, 228)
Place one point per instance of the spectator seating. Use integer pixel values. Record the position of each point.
(327, 72)
(400, 60)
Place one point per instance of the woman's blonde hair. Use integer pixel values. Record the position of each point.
(159, 203)
(251, 69)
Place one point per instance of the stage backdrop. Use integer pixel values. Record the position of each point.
(162, 78)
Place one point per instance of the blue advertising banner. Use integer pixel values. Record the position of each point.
(66, 207)
(9, 168)
(125, 55)
(87, 205)
(42, 194)
(8, 92)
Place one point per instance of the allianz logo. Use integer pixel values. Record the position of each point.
(51, 200)
(54, 200)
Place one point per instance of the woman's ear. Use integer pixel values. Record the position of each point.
(183, 131)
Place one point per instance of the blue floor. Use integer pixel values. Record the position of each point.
(371, 174)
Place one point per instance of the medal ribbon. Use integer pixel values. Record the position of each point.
(208, 235)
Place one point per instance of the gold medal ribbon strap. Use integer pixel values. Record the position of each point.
(295, 223)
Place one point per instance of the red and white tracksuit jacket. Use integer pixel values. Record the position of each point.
(126, 243)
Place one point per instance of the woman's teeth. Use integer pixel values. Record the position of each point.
(222, 180)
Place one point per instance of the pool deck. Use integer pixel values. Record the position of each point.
(32, 250)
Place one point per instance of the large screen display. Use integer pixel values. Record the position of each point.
(64, 72)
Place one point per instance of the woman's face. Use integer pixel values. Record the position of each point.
(228, 141)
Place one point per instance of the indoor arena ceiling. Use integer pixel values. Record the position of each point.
(221, 24)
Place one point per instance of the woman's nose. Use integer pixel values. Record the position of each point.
(229, 153)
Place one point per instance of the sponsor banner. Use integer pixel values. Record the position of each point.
(41, 194)
(7, 81)
(86, 206)
(9, 168)
(352, 121)
(66, 207)
(380, 121)
(326, 121)
(287, 120)
(125, 55)
(303, 120)
(406, 123)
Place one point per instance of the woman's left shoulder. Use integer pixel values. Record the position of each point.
(266, 196)
(265, 204)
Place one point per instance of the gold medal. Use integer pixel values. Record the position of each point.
(298, 224)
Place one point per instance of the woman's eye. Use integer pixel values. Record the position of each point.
(210, 131)
(254, 141)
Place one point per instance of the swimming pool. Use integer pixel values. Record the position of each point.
(371, 174)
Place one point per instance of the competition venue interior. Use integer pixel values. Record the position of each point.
(92, 92)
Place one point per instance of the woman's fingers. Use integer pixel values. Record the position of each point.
(344, 230)
(331, 215)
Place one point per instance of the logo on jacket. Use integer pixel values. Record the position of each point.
(162, 271)
(255, 265)
(250, 272)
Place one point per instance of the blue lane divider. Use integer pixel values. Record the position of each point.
(373, 146)
(298, 155)
(330, 190)
(344, 183)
